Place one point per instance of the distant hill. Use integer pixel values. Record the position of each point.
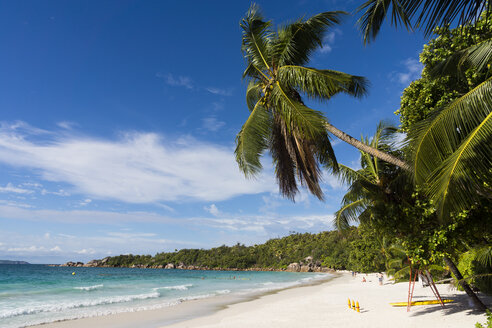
(13, 262)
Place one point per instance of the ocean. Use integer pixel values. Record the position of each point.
(36, 294)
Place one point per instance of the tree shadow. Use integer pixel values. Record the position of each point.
(462, 303)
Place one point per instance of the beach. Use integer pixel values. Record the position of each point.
(322, 305)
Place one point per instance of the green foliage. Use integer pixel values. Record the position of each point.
(331, 248)
(489, 321)
(279, 121)
(475, 272)
(366, 253)
(418, 14)
(429, 93)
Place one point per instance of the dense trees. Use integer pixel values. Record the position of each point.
(331, 248)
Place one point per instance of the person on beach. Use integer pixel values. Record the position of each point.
(363, 279)
(380, 277)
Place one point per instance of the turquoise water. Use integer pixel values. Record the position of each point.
(35, 294)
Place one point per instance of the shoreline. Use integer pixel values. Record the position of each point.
(316, 304)
(184, 311)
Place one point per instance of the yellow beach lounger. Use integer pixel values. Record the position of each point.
(420, 302)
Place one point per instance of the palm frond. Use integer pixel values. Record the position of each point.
(349, 213)
(347, 175)
(322, 84)
(296, 41)
(252, 140)
(478, 56)
(253, 94)
(454, 184)
(375, 12)
(484, 256)
(284, 158)
(441, 12)
(299, 154)
(453, 149)
(256, 39)
(426, 14)
(309, 122)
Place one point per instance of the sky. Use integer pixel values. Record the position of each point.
(118, 124)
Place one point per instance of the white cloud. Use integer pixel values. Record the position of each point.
(413, 71)
(212, 209)
(128, 235)
(11, 211)
(176, 81)
(86, 251)
(267, 225)
(14, 203)
(25, 249)
(332, 181)
(219, 91)
(66, 125)
(136, 168)
(60, 192)
(32, 184)
(85, 202)
(56, 249)
(212, 123)
(9, 188)
(47, 235)
(329, 41)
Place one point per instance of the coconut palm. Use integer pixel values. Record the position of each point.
(295, 135)
(453, 148)
(376, 180)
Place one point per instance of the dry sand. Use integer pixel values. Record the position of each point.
(323, 305)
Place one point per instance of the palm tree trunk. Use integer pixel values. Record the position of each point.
(368, 149)
(478, 303)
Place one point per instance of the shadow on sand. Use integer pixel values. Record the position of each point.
(462, 303)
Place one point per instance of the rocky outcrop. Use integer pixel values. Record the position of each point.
(169, 266)
(73, 264)
(294, 267)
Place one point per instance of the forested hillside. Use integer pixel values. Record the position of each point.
(330, 249)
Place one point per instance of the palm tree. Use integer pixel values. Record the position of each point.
(453, 148)
(376, 180)
(377, 183)
(279, 121)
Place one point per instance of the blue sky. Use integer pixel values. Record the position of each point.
(118, 121)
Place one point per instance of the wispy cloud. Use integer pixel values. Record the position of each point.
(85, 202)
(66, 125)
(268, 225)
(136, 168)
(219, 91)
(176, 81)
(413, 71)
(329, 41)
(9, 188)
(212, 209)
(212, 124)
(60, 192)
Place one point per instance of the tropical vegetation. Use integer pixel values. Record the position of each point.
(295, 135)
(330, 249)
(430, 199)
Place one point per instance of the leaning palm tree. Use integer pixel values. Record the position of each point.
(371, 183)
(295, 135)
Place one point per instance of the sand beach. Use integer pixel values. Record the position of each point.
(322, 305)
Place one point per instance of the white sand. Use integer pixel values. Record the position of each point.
(326, 306)
(322, 305)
